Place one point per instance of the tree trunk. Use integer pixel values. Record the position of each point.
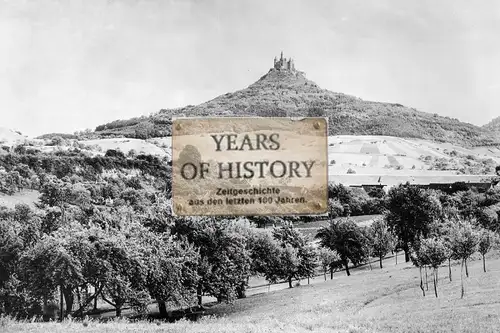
(69, 299)
(45, 307)
(466, 269)
(435, 282)
(199, 294)
(331, 273)
(462, 279)
(346, 264)
(370, 263)
(380, 261)
(484, 264)
(162, 308)
(241, 290)
(61, 305)
(421, 280)
(407, 253)
(118, 310)
(396, 257)
(95, 299)
(308, 280)
(449, 268)
(79, 297)
(426, 282)
(324, 274)
(290, 282)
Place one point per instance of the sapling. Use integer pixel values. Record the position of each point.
(464, 241)
(487, 239)
(435, 253)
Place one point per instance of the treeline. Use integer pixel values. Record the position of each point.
(103, 230)
(430, 226)
(154, 126)
(29, 170)
(134, 258)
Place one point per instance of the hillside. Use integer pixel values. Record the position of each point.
(493, 125)
(9, 137)
(397, 160)
(368, 301)
(290, 93)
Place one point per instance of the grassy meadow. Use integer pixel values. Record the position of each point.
(378, 300)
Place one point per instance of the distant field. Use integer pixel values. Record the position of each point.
(27, 197)
(375, 158)
(125, 145)
(310, 229)
(387, 300)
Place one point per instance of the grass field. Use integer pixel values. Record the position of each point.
(310, 229)
(29, 197)
(387, 300)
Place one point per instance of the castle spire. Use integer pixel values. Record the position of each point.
(281, 56)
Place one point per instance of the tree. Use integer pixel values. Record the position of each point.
(487, 239)
(125, 274)
(410, 212)
(329, 260)
(435, 253)
(224, 260)
(171, 269)
(286, 266)
(264, 253)
(382, 240)
(49, 266)
(308, 262)
(335, 208)
(487, 218)
(420, 260)
(464, 240)
(447, 239)
(346, 238)
(306, 258)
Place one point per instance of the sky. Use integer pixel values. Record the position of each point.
(70, 65)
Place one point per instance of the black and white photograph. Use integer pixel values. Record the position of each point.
(249, 166)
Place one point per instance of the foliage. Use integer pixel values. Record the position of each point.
(434, 252)
(487, 239)
(411, 211)
(464, 239)
(381, 239)
(298, 259)
(329, 260)
(346, 238)
(224, 260)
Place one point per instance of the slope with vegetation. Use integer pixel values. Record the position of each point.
(493, 125)
(286, 93)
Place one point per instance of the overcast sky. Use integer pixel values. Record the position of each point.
(70, 65)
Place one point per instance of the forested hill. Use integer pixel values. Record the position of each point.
(493, 125)
(290, 93)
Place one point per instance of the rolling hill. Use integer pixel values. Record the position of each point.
(493, 125)
(9, 137)
(289, 93)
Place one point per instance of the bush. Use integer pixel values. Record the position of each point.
(114, 153)
(335, 208)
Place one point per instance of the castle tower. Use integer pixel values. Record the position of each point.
(284, 64)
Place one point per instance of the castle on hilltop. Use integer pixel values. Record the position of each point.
(283, 63)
